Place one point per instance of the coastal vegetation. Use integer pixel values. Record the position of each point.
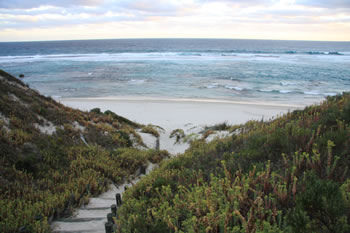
(151, 129)
(288, 174)
(179, 134)
(53, 158)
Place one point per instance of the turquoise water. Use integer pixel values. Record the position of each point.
(287, 72)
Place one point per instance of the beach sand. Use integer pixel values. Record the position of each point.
(189, 115)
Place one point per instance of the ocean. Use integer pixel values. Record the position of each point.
(281, 72)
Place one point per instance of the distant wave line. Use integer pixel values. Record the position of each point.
(168, 54)
(283, 91)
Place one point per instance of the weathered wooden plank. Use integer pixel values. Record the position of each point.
(79, 219)
(97, 208)
(76, 231)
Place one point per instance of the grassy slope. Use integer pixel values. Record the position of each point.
(286, 175)
(45, 175)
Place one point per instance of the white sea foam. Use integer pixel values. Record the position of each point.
(266, 90)
(319, 93)
(234, 88)
(130, 56)
(276, 91)
(330, 94)
(286, 83)
(136, 81)
(68, 89)
(212, 85)
(311, 93)
(307, 93)
(285, 91)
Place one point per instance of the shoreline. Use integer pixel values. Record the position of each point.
(179, 100)
(180, 113)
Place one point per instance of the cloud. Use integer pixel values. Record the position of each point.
(29, 4)
(144, 16)
(151, 6)
(241, 1)
(237, 3)
(62, 18)
(325, 3)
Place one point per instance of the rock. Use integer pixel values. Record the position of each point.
(21, 75)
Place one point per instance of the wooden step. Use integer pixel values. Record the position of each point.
(80, 219)
(81, 231)
(98, 208)
(80, 225)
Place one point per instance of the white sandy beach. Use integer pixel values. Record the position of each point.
(186, 114)
(175, 113)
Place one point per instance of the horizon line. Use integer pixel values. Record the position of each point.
(172, 38)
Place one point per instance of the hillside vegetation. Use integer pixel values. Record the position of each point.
(286, 175)
(53, 158)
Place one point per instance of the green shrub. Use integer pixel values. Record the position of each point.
(320, 207)
(96, 110)
(150, 129)
(178, 133)
(289, 174)
(43, 176)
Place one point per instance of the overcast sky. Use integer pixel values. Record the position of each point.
(27, 20)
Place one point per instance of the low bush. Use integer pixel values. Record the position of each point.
(288, 175)
(44, 176)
